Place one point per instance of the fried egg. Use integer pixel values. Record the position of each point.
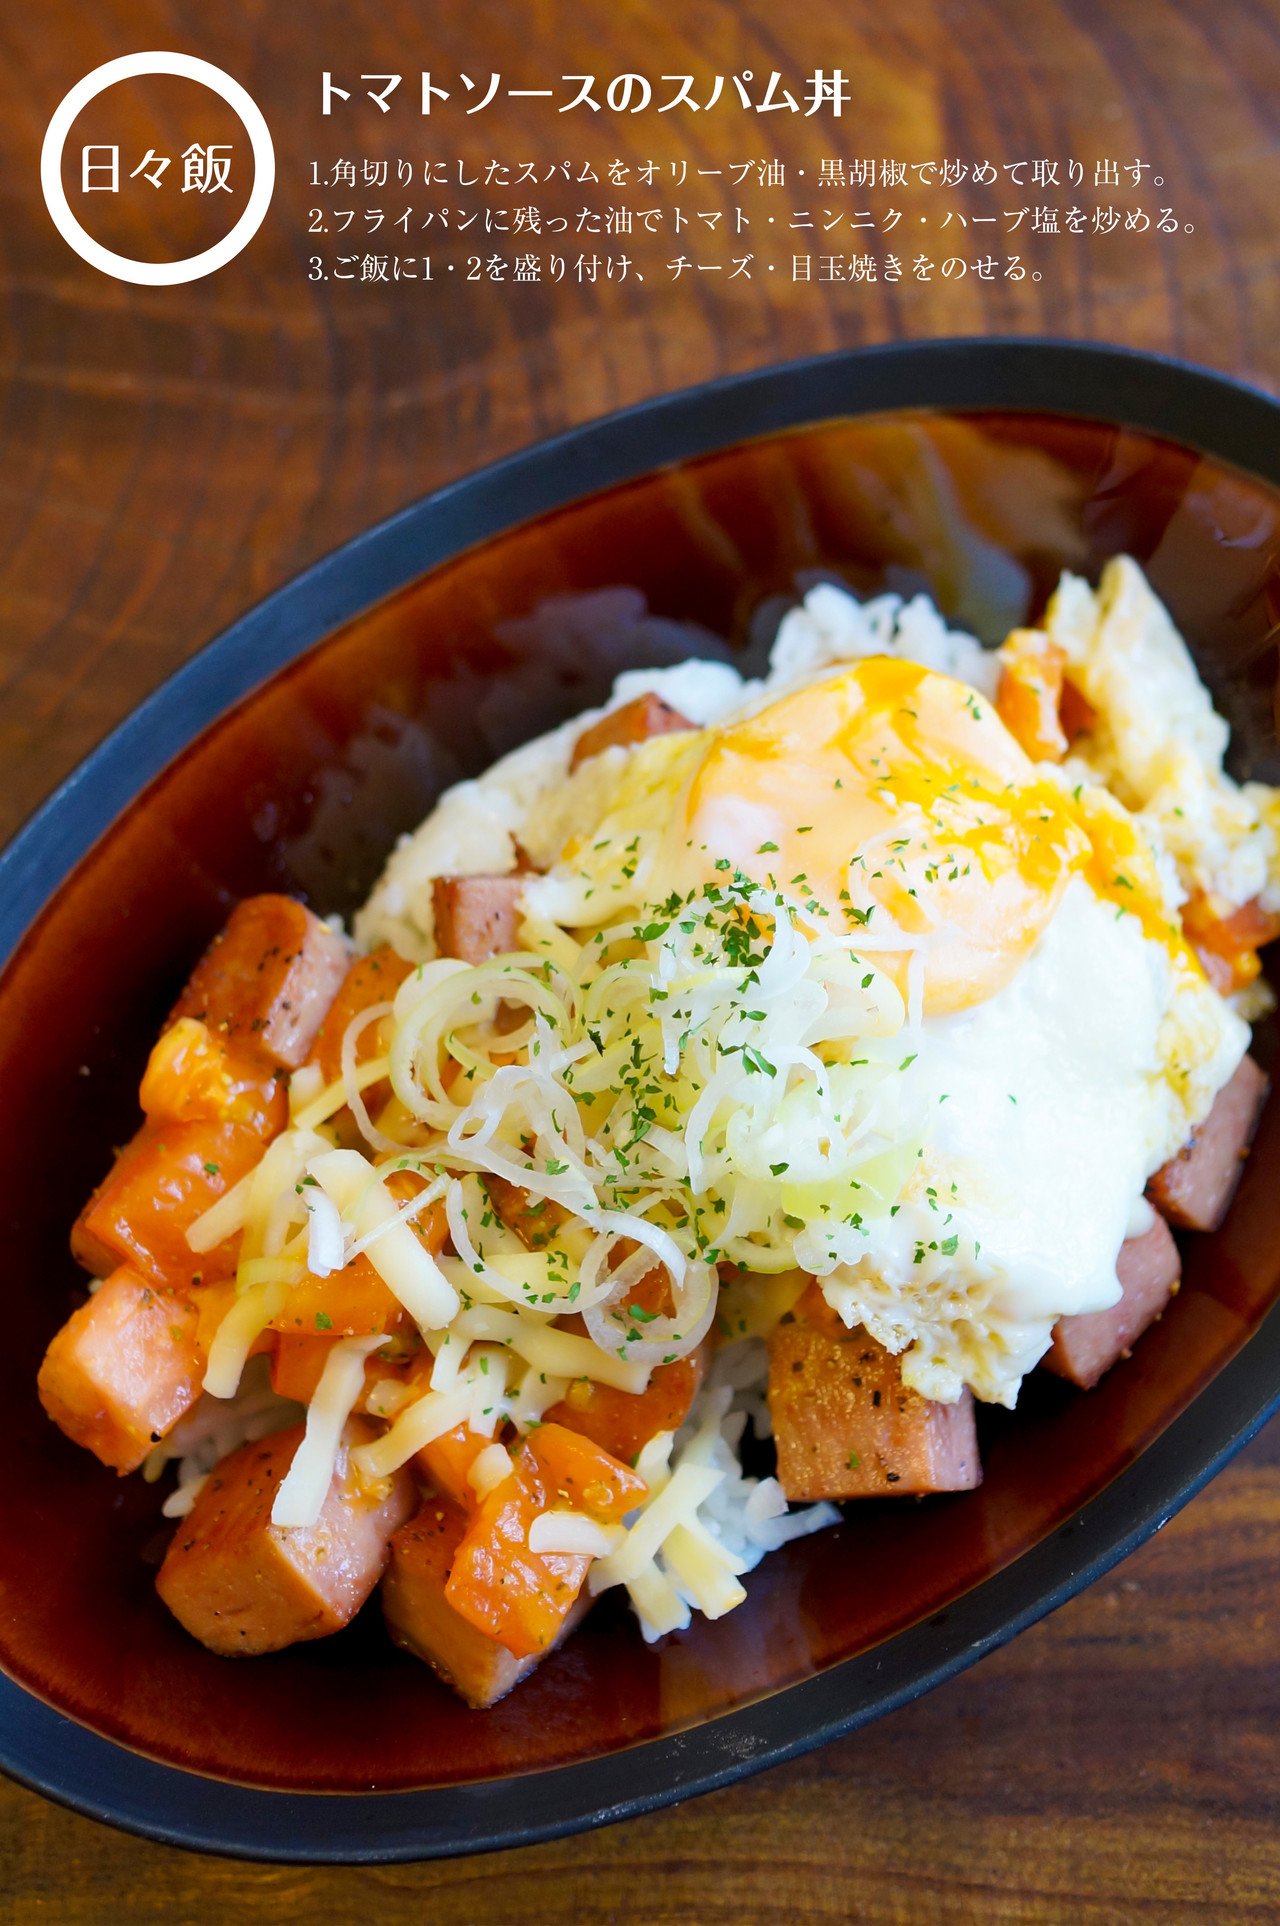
(1043, 1037)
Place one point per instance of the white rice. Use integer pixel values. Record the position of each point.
(214, 1428)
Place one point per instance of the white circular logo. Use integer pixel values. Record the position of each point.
(158, 274)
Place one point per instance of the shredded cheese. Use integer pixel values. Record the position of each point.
(489, 1469)
(408, 1271)
(221, 1220)
(705, 1570)
(334, 1096)
(678, 1500)
(301, 1493)
(236, 1336)
(426, 1419)
(573, 1534)
(560, 1354)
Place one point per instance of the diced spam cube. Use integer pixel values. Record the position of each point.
(422, 1621)
(477, 917)
(846, 1426)
(1194, 1189)
(123, 1369)
(268, 979)
(634, 722)
(159, 1184)
(242, 1585)
(1086, 1346)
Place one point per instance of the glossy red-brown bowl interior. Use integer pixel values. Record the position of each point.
(304, 786)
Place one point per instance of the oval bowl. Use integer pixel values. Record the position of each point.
(289, 754)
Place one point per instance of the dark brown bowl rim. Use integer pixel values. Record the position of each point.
(67, 1761)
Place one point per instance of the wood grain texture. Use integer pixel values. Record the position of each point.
(170, 456)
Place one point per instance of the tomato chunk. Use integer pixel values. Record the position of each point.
(123, 1369)
(160, 1183)
(194, 1076)
(623, 1422)
(297, 1364)
(580, 1475)
(1075, 711)
(514, 1595)
(447, 1460)
(212, 1301)
(1227, 940)
(298, 1360)
(354, 1301)
(518, 1597)
(372, 979)
(1030, 692)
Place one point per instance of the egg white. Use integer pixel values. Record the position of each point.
(1043, 1111)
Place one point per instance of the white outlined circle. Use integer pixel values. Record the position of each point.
(157, 274)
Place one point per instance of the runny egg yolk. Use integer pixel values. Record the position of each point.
(895, 800)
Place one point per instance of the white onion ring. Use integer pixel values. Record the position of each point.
(660, 1339)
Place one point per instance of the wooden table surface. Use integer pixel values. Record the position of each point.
(171, 454)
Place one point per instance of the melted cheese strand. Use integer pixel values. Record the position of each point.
(572, 1534)
(675, 1503)
(302, 1491)
(405, 1267)
(236, 1336)
(561, 1354)
(221, 1220)
(420, 1424)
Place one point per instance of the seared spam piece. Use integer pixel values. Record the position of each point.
(634, 722)
(477, 917)
(242, 1585)
(846, 1426)
(1194, 1189)
(268, 979)
(1086, 1346)
(251, 1011)
(123, 1369)
(422, 1621)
